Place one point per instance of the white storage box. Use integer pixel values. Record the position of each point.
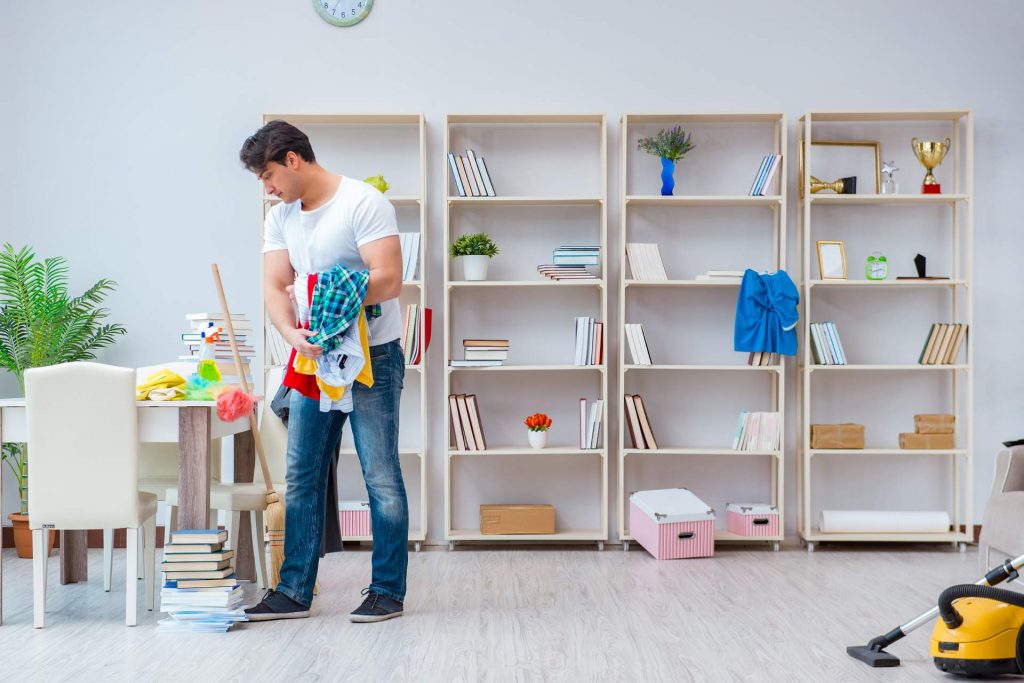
(672, 524)
(752, 519)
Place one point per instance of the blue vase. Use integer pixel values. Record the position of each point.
(668, 168)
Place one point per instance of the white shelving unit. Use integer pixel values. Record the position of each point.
(518, 152)
(957, 178)
(769, 131)
(392, 145)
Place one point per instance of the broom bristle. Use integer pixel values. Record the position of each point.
(275, 536)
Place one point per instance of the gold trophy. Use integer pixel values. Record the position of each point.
(930, 154)
(841, 186)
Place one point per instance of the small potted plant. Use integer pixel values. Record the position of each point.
(670, 146)
(537, 426)
(475, 250)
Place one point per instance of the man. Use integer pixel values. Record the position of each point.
(325, 220)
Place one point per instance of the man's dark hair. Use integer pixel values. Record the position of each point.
(272, 142)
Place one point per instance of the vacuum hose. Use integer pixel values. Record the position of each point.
(953, 619)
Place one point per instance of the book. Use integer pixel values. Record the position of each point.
(456, 177)
(471, 177)
(214, 556)
(466, 343)
(773, 166)
(184, 548)
(464, 175)
(458, 436)
(191, 536)
(485, 174)
(645, 424)
(633, 422)
(475, 165)
(167, 566)
(645, 261)
(954, 351)
(757, 431)
(467, 428)
(757, 176)
(410, 243)
(206, 574)
(583, 422)
(485, 354)
(940, 336)
(473, 408)
(928, 343)
(203, 583)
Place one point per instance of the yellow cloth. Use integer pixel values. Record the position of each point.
(307, 366)
(161, 386)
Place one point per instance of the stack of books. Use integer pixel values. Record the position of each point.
(470, 175)
(416, 336)
(943, 344)
(410, 242)
(591, 424)
(200, 591)
(637, 341)
(553, 272)
(466, 425)
(826, 347)
(573, 262)
(763, 359)
(645, 261)
(482, 353)
(589, 341)
(193, 339)
(757, 432)
(640, 432)
(762, 181)
(721, 276)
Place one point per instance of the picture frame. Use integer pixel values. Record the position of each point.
(874, 145)
(831, 260)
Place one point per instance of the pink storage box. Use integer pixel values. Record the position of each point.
(752, 519)
(672, 524)
(355, 518)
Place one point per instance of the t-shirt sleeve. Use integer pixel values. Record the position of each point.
(373, 218)
(273, 232)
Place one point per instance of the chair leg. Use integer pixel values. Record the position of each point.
(258, 551)
(131, 591)
(39, 548)
(108, 557)
(149, 563)
(233, 526)
(172, 524)
(140, 567)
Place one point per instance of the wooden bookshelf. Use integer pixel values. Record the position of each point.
(769, 211)
(955, 234)
(533, 185)
(402, 148)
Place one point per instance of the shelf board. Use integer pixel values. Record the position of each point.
(415, 368)
(715, 368)
(526, 368)
(887, 283)
(537, 119)
(856, 116)
(527, 283)
(907, 367)
(401, 451)
(706, 117)
(396, 200)
(563, 535)
(726, 535)
(412, 283)
(697, 200)
(888, 198)
(694, 451)
(526, 450)
(680, 283)
(944, 537)
(886, 451)
(351, 119)
(526, 201)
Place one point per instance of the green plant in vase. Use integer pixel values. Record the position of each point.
(42, 324)
(670, 146)
(475, 250)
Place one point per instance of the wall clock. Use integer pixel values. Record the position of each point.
(343, 12)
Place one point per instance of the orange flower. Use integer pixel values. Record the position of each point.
(538, 422)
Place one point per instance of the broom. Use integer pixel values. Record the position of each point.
(275, 508)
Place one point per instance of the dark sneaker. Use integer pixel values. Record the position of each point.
(277, 606)
(376, 607)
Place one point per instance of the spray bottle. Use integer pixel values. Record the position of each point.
(208, 369)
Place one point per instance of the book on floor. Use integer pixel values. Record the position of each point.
(191, 536)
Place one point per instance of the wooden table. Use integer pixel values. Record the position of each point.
(192, 424)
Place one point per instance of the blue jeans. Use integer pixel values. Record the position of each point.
(313, 438)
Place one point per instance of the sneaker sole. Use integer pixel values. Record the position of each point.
(370, 618)
(270, 616)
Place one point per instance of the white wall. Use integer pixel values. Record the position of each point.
(122, 123)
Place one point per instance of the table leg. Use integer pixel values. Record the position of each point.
(245, 466)
(194, 467)
(74, 556)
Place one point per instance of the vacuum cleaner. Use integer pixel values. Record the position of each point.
(982, 634)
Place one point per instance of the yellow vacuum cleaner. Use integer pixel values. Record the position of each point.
(982, 634)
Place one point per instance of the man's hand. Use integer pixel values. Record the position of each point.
(297, 338)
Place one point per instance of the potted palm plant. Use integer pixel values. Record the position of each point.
(475, 250)
(42, 324)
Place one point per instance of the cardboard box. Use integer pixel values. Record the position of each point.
(846, 435)
(517, 519)
(928, 441)
(934, 424)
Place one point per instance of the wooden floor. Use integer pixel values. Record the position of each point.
(536, 614)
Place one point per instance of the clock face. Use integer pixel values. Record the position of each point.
(878, 268)
(343, 12)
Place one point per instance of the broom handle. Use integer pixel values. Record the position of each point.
(253, 426)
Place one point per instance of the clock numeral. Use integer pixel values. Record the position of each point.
(342, 15)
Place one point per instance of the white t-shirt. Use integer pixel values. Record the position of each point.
(331, 235)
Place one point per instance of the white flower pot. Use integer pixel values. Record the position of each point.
(537, 439)
(475, 267)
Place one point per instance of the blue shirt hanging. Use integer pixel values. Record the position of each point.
(766, 314)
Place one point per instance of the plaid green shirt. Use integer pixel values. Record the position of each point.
(337, 298)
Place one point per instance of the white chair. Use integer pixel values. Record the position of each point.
(252, 498)
(83, 428)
